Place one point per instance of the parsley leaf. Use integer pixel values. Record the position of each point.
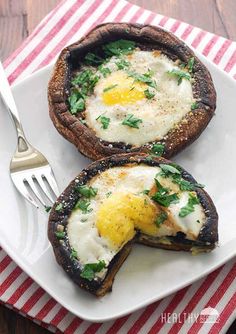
(165, 200)
(161, 218)
(109, 88)
(105, 121)
(166, 169)
(104, 70)
(122, 64)
(146, 78)
(189, 207)
(92, 59)
(132, 121)
(175, 174)
(194, 106)
(184, 185)
(180, 75)
(73, 254)
(108, 194)
(59, 207)
(145, 191)
(158, 149)
(47, 208)
(117, 48)
(60, 235)
(162, 195)
(190, 64)
(90, 269)
(149, 158)
(86, 81)
(83, 84)
(149, 95)
(76, 102)
(83, 205)
(87, 191)
(83, 121)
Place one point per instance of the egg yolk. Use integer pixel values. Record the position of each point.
(122, 213)
(120, 89)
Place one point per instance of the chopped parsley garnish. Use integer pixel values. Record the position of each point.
(92, 59)
(165, 200)
(59, 207)
(145, 191)
(108, 194)
(158, 149)
(186, 185)
(161, 218)
(131, 121)
(163, 197)
(105, 121)
(190, 64)
(83, 84)
(76, 102)
(194, 105)
(149, 95)
(86, 81)
(175, 174)
(83, 121)
(166, 169)
(109, 88)
(47, 208)
(122, 64)
(104, 70)
(83, 205)
(87, 191)
(73, 254)
(60, 235)
(146, 78)
(180, 75)
(117, 48)
(189, 207)
(149, 157)
(90, 269)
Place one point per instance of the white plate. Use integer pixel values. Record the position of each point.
(148, 274)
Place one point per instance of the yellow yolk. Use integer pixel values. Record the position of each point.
(122, 213)
(121, 89)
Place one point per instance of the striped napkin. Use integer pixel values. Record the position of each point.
(177, 313)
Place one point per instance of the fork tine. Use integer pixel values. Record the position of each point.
(44, 188)
(49, 176)
(20, 186)
(35, 190)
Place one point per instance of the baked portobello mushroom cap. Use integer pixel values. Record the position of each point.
(148, 38)
(61, 230)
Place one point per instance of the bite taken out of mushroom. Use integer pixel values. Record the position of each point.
(126, 199)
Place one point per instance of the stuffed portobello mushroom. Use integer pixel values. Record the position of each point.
(126, 87)
(122, 200)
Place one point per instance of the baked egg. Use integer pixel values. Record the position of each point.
(121, 202)
(141, 100)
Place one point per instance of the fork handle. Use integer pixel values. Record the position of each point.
(8, 99)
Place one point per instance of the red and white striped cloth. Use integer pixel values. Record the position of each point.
(70, 20)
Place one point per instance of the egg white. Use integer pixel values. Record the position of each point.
(159, 114)
(82, 231)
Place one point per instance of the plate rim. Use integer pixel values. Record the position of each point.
(26, 268)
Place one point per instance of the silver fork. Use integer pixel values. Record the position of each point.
(30, 171)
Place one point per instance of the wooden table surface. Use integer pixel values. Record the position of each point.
(19, 17)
